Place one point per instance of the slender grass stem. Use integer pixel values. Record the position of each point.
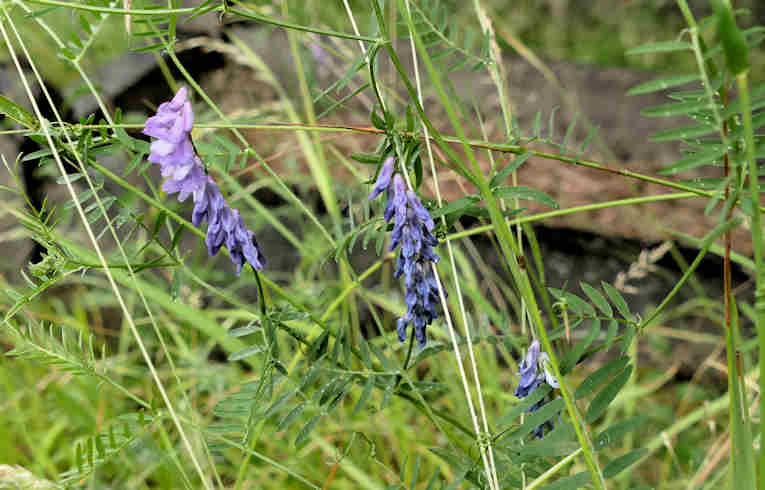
(552, 471)
(487, 453)
(707, 243)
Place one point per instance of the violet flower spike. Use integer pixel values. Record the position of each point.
(185, 174)
(412, 233)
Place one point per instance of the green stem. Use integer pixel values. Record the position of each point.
(113, 10)
(698, 49)
(757, 244)
(707, 243)
(297, 27)
(576, 209)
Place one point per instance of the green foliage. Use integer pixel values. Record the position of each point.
(136, 360)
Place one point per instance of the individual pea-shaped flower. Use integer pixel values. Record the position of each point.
(528, 372)
(533, 371)
(186, 175)
(383, 178)
(186, 184)
(171, 126)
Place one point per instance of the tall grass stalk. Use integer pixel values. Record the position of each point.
(485, 437)
(488, 459)
(492, 474)
(757, 242)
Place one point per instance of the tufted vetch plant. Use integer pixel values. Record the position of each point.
(411, 329)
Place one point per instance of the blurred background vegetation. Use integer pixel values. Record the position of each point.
(596, 32)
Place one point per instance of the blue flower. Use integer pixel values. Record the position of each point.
(383, 178)
(412, 234)
(533, 372)
(185, 174)
(528, 372)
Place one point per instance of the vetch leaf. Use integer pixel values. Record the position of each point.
(629, 335)
(623, 462)
(290, 417)
(617, 300)
(14, 111)
(523, 192)
(250, 351)
(366, 158)
(604, 398)
(575, 303)
(306, 430)
(733, 41)
(459, 206)
(684, 133)
(615, 432)
(277, 405)
(364, 349)
(572, 358)
(318, 346)
(598, 377)
(597, 299)
(508, 169)
(361, 403)
(676, 109)
(380, 356)
(242, 331)
(613, 328)
(662, 84)
(661, 47)
(577, 480)
(546, 412)
(561, 441)
(695, 160)
(524, 405)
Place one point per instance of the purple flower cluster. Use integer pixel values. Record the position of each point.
(533, 372)
(185, 174)
(412, 230)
